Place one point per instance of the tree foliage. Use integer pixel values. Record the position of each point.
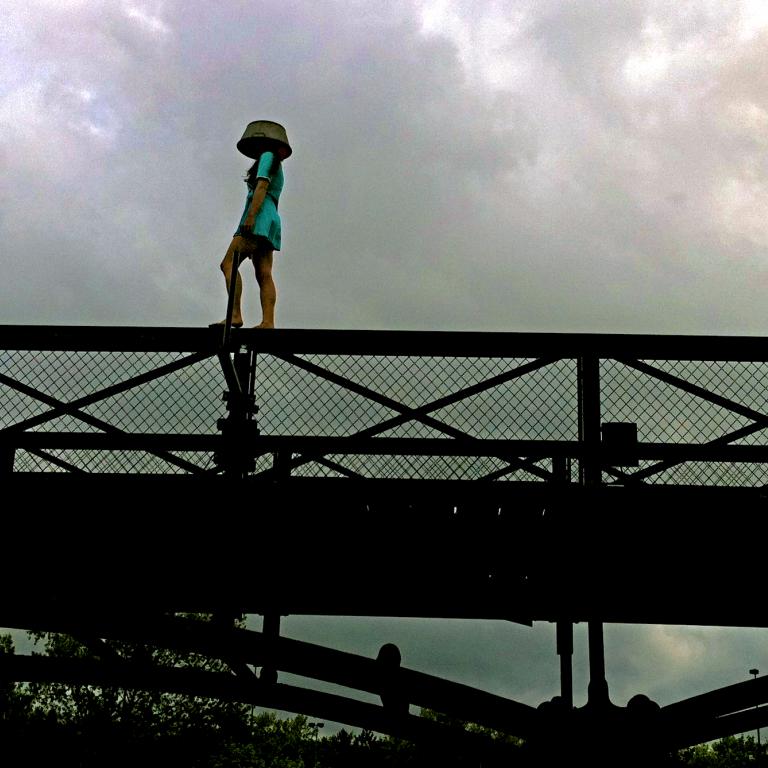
(87, 725)
(15, 700)
(84, 726)
(134, 714)
(481, 730)
(728, 752)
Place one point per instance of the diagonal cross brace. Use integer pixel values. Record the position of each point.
(336, 467)
(760, 419)
(56, 461)
(695, 389)
(59, 407)
(421, 413)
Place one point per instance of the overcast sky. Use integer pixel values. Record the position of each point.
(537, 165)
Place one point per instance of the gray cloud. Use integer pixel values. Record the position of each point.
(615, 187)
(666, 663)
(609, 175)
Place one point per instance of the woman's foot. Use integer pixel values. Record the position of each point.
(264, 324)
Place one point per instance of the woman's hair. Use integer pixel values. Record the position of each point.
(250, 176)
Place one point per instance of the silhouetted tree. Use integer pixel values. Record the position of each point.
(66, 725)
(729, 752)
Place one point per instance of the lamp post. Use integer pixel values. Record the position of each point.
(316, 727)
(755, 673)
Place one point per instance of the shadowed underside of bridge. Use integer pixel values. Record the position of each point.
(383, 547)
(564, 478)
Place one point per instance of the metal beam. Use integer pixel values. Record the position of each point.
(694, 389)
(721, 701)
(229, 687)
(406, 412)
(56, 461)
(432, 343)
(87, 419)
(299, 658)
(675, 453)
(94, 397)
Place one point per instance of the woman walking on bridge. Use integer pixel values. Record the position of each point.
(259, 233)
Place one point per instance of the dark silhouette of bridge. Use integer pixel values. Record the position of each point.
(530, 477)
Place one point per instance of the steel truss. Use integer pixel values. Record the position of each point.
(537, 476)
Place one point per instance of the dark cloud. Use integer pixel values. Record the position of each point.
(614, 187)
(390, 140)
(667, 663)
(607, 175)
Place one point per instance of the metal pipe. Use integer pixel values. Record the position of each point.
(565, 652)
(598, 685)
(755, 673)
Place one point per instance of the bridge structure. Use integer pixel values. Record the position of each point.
(153, 472)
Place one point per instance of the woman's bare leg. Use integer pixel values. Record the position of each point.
(226, 268)
(262, 263)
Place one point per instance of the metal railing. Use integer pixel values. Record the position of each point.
(396, 405)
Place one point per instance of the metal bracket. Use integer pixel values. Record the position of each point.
(239, 428)
(619, 444)
(7, 459)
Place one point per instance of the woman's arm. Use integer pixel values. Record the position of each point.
(256, 201)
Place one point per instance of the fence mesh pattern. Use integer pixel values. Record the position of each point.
(541, 405)
(700, 402)
(182, 401)
(346, 395)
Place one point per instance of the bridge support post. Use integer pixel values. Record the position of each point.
(565, 652)
(561, 470)
(589, 419)
(597, 690)
(270, 628)
(7, 460)
(240, 425)
(590, 476)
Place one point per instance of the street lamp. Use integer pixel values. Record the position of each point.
(316, 728)
(755, 673)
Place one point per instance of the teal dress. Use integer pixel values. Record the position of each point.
(267, 224)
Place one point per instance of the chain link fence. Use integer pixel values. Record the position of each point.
(696, 402)
(396, 395)
(69, 391)
(383, 396)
